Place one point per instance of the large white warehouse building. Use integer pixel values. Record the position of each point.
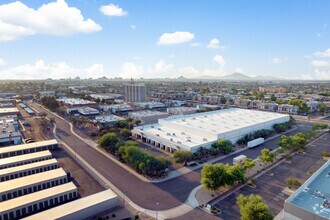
(191, 132)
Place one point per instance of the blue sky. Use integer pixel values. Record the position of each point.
(289, 39)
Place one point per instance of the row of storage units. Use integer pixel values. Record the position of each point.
(34, 186)
(28, 169)
(22, 149)
(31, 180)
(9, 162)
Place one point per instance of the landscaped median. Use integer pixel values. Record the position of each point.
(129, 152)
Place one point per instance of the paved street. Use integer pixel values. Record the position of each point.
(168, 194)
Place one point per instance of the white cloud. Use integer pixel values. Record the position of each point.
(325, 53)
(307, 77)
(161, 66)
(196, 44)
(113, 10)
(320, 63)
(214, 44)
(2, 62)
(42, 70)
(131, 70)
(133, 27)
(175, 38)
(239, 70)
(322, 74)
(55, 18)
(188, 72)
(275, 60)
(219, 60)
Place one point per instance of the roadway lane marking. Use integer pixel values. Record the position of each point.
(104, 170)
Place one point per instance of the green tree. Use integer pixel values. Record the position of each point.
(125, 132)
(183, 156)
(273, 98)
(215, 176)
(253, 207)
(109, 141)
(298, 141)
(266, 156)
(223, 146)
(248, 163)
(293, 183)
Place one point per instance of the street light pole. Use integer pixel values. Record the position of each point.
(157, 210)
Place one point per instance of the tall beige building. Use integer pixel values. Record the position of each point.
(135, 93)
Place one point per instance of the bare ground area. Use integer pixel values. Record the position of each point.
(85, 183)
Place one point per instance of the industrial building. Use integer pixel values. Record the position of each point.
(27, 169)
(80, 209)
(32, 183)
(107, 120)
(135, 93)
(148, 117)
(73, 102)
(9, 111)
(150, 105)
(88, 111)
(28, 148)
(115, 108)
(191, 132)
(182, 110)
(25, 159)
(47, 93)
(312, 199)
(22, 206)
(9, 131)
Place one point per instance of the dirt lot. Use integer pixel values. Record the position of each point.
(34, 130)
(85, 183)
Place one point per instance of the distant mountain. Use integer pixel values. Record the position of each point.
(260, 77)
(237, 77)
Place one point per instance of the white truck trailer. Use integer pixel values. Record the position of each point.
(239, 159)
(255, 142)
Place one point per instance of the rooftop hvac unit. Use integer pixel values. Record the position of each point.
(159, 129)
(182, 133)
(188, 140)
(204, 139)
(168, 134)
(173, 134)
(157, 134)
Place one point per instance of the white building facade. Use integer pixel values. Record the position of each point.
(191, 132)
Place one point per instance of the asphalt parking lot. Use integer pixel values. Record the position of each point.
(271, 188)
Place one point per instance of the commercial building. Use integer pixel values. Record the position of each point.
(115, 108)
(28, 148)
(27, 169)
(106, 96)
(80, 209)
(288, 109)
(312, 199)
(9, 131)
(88, 111)
(150, 105)
(135, 93)
(22, 206)
(191, 132)
(148, 117)
(32, 183)
(182, 110)
(25, 159)
(107, 120)
(8, 111)
(47, 93)
(73, 102)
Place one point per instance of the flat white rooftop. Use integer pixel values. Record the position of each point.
(8, 110)
(31, 180)
(201, 128)
(28, 166)
(74, 206)
(37, 196)
(73, 101)
(24, 157)
(27, 146)
(147, 113)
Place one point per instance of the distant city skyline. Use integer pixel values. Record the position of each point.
(164, 39)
